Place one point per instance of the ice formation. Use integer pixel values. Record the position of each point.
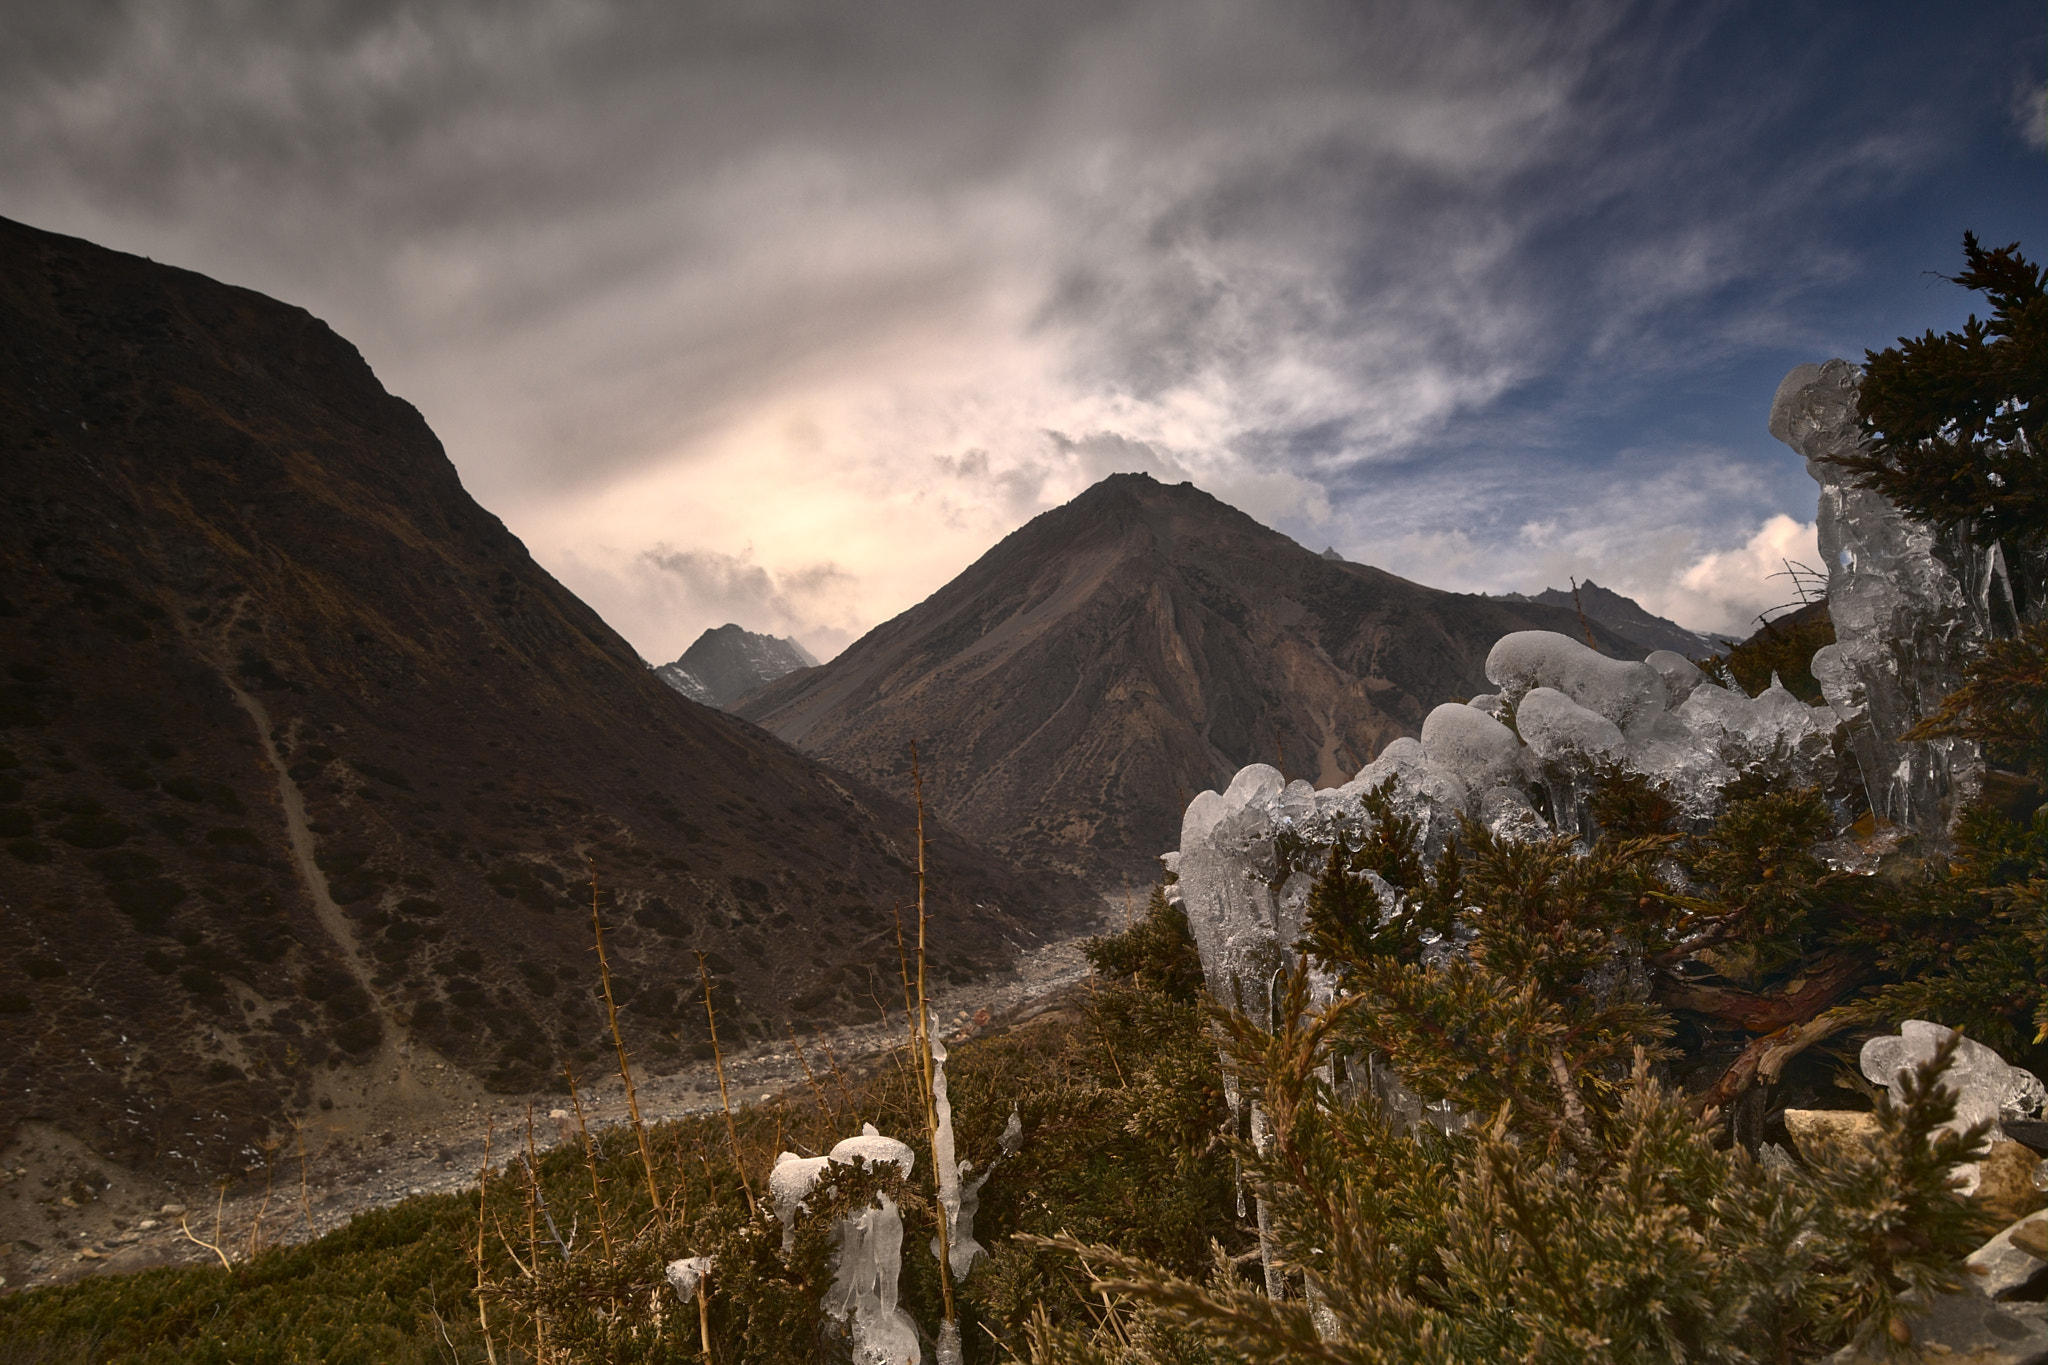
(687, 1274)
(1249, 855)
(1987, 1087)
(1902, 616)
(959, 1196)
(794, 1177)
(870, 1252)
(864, 1286)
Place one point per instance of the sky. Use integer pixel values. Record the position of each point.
(784, 312)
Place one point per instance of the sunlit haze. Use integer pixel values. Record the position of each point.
(783, 314)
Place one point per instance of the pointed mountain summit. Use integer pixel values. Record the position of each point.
(1080, 682)
(729, 662)
(306, 766)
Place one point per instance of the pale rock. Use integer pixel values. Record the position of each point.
(2015, 1262)
(2010, 1181)
(1625, 693)
(1817, 1132)
(1962, 1327)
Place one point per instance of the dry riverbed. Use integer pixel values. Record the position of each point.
(65, 1213)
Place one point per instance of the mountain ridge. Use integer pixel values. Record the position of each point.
(311, 779)
(1080, 681)
(1630, 618)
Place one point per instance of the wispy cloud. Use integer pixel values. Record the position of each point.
(785, 286)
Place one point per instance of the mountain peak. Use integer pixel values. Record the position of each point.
(729, 661)
(1074, 686)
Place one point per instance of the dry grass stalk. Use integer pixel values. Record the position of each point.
(604, 1230)
(838, 1076)
(305, 1186)
(811, 1079)
(732, 1133)
(540, 1331)
(483, 1181)
(604, 973)
(256, 1223)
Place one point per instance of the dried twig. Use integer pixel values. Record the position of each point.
(213, 1246)
(725, 1101)
(604, 972)
(604, 1231)
(924, 1038)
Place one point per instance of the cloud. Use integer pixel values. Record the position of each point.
(2030, 114)
(809, 283)
(671, 596)
(1731, 588)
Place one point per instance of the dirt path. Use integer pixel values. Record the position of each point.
(77, 1230)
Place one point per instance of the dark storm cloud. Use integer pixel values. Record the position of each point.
(1405, 276)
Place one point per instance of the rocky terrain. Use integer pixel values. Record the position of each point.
(1079, 683)
(67, 1213)
(1628, 616)
(306, 767)
(727, 663)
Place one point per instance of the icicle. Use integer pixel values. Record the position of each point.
(948, 1173)
(1262, 1142)
(949, 1344)
(959, 1197)
(864, 1287)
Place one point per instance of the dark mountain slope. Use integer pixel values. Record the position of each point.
(1630, 618)
(1079, 683)
(303, 756)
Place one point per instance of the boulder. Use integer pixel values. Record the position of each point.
(1816, 1131)
(2015, 1262)
(1961, 1327)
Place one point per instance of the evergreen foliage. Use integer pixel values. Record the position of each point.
(1493, 1245)
(1954, 422)
(1781, 649)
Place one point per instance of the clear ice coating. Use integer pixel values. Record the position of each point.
(869, 1257)
(1249, 855)
(687, 1274)
(1988, 1089)
(794, 1177)
(864, 1286)
(1902, 616)
(960, 1196)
